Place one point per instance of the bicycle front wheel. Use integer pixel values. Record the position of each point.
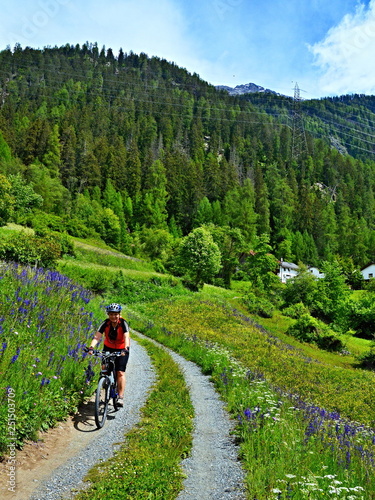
(114, 396)
(101, 402)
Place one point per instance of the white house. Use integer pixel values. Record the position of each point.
(315, 272)
(368, 272)
(287, 270)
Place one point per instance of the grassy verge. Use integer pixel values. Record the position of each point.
(148, 464)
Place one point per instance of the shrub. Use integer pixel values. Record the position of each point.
(359, 315)
(66, 243)
(76, 228)
(295, 311)
(313, 331)
(44, 222)
(6, 200)
(367, 360)
(158, 266)
(302, 288)
(370, 285)
(258, 305)
(33, 250)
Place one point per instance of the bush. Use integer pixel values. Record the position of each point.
(258, 305)
(32, 250)
(42, 222)
(313, 331)
(295, 311)
(76, 228)
(158, 266)
(359, 315)
(367, 360)
(370, 285)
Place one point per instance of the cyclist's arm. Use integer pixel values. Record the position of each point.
(127, 340)
(95, 341)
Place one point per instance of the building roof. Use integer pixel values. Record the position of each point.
(290, 265)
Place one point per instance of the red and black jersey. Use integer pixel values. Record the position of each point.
(114, 337)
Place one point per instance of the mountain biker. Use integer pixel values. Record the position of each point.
(116, 338)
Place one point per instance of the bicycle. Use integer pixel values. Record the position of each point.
(107, 385)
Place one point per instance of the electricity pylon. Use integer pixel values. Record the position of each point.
(299, 142)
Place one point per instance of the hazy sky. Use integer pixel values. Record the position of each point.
(327, 47)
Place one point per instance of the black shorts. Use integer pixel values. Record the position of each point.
(120, 361)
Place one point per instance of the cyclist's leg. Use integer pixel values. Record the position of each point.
(121, 362)
(121, 383)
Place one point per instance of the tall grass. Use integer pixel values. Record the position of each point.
(125, 285)
(43, 325)
(110, 258)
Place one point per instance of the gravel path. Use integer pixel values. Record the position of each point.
(212, 471)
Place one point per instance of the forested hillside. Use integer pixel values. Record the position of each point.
(140, 152)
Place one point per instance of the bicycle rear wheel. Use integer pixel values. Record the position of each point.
(101, 402)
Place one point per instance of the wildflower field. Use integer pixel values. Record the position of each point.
(305, 428)
(43, 326)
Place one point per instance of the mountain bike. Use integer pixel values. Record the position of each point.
(107, 386)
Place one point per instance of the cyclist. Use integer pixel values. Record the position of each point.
(116, 338)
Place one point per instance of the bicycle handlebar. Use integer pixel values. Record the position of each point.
(106, 354)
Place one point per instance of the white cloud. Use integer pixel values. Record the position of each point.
(345, 55)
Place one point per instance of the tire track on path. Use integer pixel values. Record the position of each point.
(213, 471)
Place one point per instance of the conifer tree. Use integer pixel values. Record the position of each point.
(262, 205)
(204, 214)
(211, 168)
(239, 210)
(52, 156)
(133, 172)
(5, 152)
(155, 197)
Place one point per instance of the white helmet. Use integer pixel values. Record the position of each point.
(113, 308)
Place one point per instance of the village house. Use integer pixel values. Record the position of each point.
(368, 272)
(315, 272)
(287, 270)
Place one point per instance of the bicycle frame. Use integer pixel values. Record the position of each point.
(107, 386)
